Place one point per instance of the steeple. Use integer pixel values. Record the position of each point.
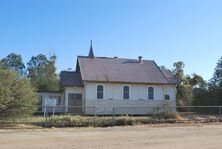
(91, 54)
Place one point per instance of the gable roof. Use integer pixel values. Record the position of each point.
(70, 78)
(104, 69)
(170, 77)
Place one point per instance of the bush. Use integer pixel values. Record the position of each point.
(86, 121)
(17, 97)
(166, 115)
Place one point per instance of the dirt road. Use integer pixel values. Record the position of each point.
(177, 136)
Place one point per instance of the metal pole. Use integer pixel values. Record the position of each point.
(94, 115)
(219, 110)
(45, 112)
(113, 114)
(53, 111)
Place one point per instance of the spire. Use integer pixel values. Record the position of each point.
(91, 55)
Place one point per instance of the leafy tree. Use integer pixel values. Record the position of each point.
(17, 97)
(216, 81)
(213, 95)
(184, 90)
(178, 70)
(14, 62)
(189, 84)
(196, 81)
(42, 72)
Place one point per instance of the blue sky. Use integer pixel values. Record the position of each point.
(162, 30)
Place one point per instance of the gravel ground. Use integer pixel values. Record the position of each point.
(178, 136)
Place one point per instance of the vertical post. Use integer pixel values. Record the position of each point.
(220, 110)
(94, 116)
(45, 111)
(113, 115)
(189, 113)
(154, 112)
(53, 111)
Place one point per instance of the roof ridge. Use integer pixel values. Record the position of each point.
(70, 72)
(112, 58)
(161, 71)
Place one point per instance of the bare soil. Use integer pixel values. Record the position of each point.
(164, 136)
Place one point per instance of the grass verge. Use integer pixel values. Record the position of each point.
(99, 121)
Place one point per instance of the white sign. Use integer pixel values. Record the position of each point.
(50, 102)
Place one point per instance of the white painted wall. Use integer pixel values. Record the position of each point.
(137, 91)
(113, 97)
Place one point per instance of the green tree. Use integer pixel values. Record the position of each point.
(189, 85)
(17, 97)
(216, 81)
(184, 90)
(178, 70)
(196, 81)
(213, 95)
(42, 73)
(14, 62)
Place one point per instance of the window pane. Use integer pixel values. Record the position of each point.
(78, 96)
(99, 95)
(99, 92)
(126, 96)
(100, 88)
(125, 92)
(167, 97)
(126, 89)
(150, 93)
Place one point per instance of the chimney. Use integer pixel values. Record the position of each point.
(140, 59)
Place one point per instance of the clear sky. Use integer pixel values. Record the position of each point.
(162, 30)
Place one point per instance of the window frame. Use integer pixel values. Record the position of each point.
(148, 93)
(100, 91)
(123, 92)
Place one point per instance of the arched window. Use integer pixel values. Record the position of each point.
(150, 93)
(126, 92)
(100, 91)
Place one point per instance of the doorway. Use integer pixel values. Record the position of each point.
(75, 103)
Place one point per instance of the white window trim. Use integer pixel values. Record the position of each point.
(129, 92)
(103, 91)
(148, 92)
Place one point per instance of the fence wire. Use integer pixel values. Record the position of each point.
(186, 113)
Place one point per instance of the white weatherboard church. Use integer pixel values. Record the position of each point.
(99, 83)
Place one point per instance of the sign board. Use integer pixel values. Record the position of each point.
(50, 102)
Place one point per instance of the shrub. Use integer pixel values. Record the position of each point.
(166, 115)
(86, 121)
